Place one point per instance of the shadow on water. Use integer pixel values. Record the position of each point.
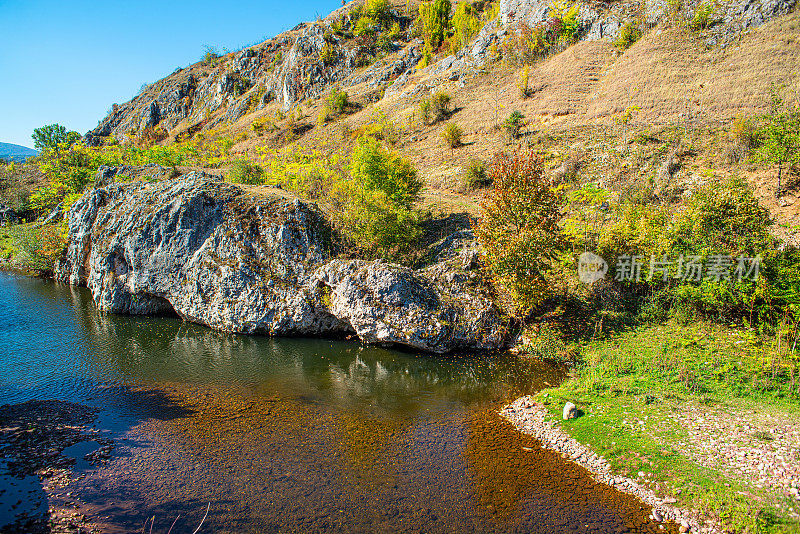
(290, 435)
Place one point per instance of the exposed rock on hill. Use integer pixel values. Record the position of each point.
(249, 262)
(306, 61)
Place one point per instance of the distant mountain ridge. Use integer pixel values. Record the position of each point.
(12, 152)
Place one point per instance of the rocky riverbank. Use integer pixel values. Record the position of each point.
(533, 419)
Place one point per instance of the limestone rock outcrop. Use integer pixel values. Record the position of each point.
(254, 262)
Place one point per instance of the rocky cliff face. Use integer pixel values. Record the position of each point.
(250, 262)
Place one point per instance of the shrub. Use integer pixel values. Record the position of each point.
(259, 125)
(724, 216)
(39, 247)
(628, 35)
(324, 116)
(210, 57)
(243, 171)
(703, 17)
(475, 175)
(328, 54)
(375, 224)
(378, 10)
(742, 138)
(425, 111)
(381, 128)
(780, 136)
(514, 123)
(441, 106)
(526, 44)
(338, 101)
(452, 135)
(519, 228)
(374, 168)
(377, 210)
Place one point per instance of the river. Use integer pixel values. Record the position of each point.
(287, 435)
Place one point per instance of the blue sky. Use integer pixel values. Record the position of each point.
(68, 61)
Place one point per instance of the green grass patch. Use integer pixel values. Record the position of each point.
(9, 236)
(632, 388)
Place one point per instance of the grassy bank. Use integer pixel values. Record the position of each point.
(9, 237)
(695, 412)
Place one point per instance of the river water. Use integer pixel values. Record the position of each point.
(290, 435)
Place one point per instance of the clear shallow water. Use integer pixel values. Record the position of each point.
(290, 435)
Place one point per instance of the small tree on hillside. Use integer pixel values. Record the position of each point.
(52, 135)
(433, 22)
(780, 136)
(519, 227)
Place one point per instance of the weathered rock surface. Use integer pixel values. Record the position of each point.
(248, 262)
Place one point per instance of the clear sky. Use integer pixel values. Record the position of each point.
(67, 61)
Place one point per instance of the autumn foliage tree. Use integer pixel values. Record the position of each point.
(519, 228)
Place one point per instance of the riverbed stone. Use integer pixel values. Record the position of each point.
(257, 261)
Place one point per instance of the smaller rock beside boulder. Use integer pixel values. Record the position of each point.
(570, 411)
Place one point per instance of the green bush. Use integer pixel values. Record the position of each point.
(425, 111)
(433, 22)
(628, 35)
(703, 17)
(724, 219)
(338, 101)
(523, 83)
(441, 106)
(243, 171)
(466, 23)
(514, 124)
(475, 175)
(210, 56)
(527, 44)
(39, 247)
(452, 135)
(779, 136)
(377, 204)
(375, 168)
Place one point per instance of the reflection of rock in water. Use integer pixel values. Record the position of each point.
(138, 349)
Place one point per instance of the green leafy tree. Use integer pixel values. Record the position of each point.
(466, 24)
(780, 136)
(378, 201)
(433, 23)
(53, 135)
(375, 168)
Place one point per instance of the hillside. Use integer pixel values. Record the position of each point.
(12, 152)
(676, 77)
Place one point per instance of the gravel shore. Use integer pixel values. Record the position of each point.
(533, 419)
